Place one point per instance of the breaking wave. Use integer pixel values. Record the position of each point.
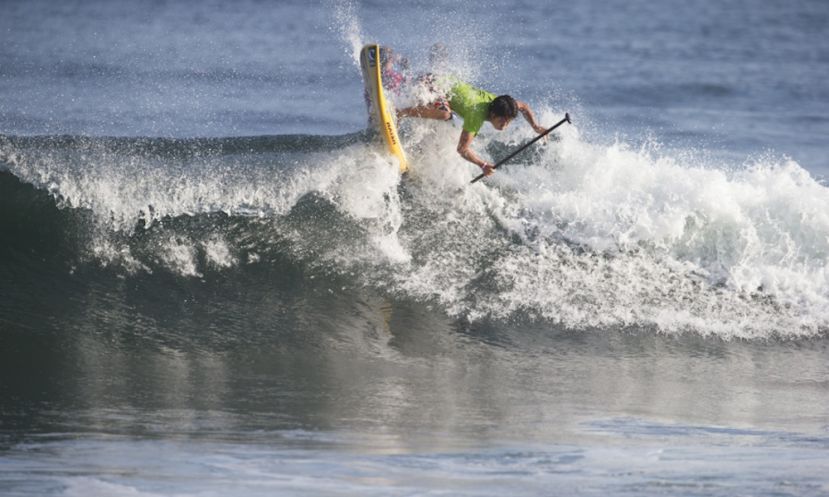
(575, 233)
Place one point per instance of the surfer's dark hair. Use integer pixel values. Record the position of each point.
(503, 106)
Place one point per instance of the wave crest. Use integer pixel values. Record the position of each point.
(576, 233)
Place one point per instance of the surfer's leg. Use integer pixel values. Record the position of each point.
(428, 111)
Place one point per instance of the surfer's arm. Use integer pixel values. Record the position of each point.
(465, 151)
(529, 116)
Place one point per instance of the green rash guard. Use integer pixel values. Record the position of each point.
(471, 103)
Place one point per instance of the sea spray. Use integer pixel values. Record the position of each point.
(578, 233)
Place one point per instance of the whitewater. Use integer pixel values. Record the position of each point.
(580, 234)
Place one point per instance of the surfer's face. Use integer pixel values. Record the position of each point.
(500, 123)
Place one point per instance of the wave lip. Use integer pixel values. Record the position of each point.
(576, 233)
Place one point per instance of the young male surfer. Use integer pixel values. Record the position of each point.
(475, 106)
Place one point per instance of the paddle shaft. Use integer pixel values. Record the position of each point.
(522, 148)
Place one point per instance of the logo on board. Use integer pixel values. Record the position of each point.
(372, 56)
(391, 133)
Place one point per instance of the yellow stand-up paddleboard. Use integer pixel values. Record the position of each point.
(379, 113)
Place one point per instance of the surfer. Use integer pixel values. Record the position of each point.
(393, 66)
(475, 106)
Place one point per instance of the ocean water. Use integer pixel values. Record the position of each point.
(214, 282)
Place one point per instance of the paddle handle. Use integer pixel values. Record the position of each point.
(522, 148)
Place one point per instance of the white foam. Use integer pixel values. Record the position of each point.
(619, 236)
(218, 253)
(179, 256)
(588, 235)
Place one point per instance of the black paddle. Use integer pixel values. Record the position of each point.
(521, 149)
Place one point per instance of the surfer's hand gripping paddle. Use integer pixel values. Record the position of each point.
(522, 148)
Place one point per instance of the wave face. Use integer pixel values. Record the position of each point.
(578, 234)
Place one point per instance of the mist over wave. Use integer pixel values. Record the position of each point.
(576, 233)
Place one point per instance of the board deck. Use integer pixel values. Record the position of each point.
(380, 114)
